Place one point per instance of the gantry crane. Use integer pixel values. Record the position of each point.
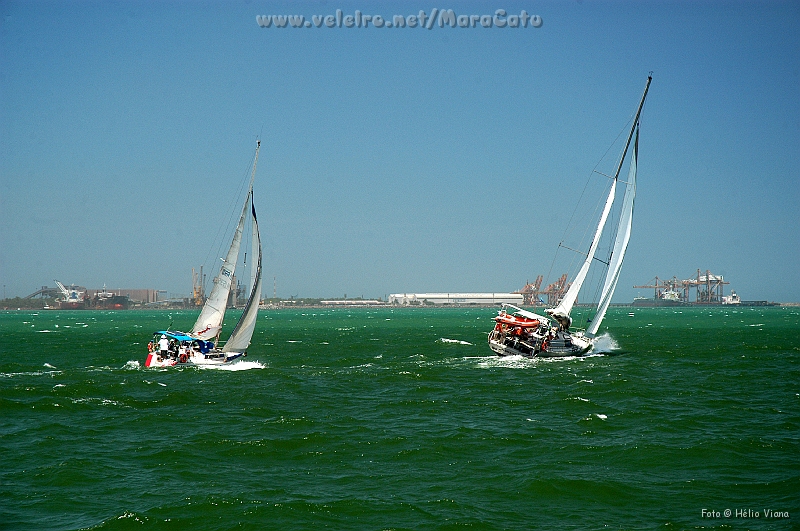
(530, 293)
(555, 291)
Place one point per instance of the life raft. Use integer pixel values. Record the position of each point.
(517, 320)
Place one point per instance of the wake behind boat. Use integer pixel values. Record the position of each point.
(524, 333)
(201, 345)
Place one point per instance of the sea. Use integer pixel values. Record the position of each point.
(402, 419)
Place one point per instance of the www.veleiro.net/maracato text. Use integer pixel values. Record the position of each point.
(445, 18)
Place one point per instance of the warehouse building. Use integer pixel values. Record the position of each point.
(439, 299)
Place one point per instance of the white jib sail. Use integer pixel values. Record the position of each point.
(565, 306)
(209, 323)
(620, 244)
(243, 333)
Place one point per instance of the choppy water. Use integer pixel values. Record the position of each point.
(401, 419)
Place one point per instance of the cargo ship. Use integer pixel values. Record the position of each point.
(652, 303)
(104, 300)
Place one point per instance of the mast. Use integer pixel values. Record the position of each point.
(633, 127)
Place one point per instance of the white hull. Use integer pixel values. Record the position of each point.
(212, 358)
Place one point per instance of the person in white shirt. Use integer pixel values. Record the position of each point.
(163, 346)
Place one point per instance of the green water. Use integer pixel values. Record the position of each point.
(402, 419)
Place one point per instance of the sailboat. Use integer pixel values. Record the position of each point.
(201, 346)
(522, 332)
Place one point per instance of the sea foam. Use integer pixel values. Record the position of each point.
(236, 366)
(458, 341)
(604, 343)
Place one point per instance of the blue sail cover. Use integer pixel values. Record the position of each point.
(180, 336)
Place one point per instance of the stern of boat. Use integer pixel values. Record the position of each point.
(154, 360)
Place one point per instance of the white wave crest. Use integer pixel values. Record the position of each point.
(458, 341)
(236, 366)
(522, 362)
(510, 362)
(132, 365)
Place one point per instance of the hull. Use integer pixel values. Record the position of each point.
(563, 345)
(72, 305)
(115, 302)
(212, 358)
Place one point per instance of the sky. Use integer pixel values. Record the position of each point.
(394, 159)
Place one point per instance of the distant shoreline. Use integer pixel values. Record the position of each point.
(402, 307)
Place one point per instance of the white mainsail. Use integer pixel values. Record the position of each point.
(209, 323)
(620, 244)
(561, 312)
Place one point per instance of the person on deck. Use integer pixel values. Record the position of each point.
(163, 346)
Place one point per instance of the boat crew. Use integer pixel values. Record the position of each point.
(163, 346)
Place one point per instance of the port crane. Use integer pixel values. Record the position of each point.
(70, 295)
(530, 292)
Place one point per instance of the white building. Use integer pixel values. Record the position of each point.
(438, 299)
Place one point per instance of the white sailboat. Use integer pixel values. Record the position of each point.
(520, 332)
(200, 346)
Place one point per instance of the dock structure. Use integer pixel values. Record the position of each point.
(708, 289)
(46, 292)
(135, 295)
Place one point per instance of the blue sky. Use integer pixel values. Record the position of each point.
(393, 159)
